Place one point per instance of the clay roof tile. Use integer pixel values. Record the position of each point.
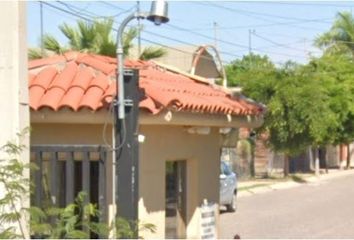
(80, 80)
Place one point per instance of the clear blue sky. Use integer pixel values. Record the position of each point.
(283, 30)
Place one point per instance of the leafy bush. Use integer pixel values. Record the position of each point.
(76, 220)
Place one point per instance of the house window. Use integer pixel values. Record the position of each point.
(65, 170)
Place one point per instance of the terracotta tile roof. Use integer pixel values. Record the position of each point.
(80, 80)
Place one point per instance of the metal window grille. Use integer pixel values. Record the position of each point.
(64, 170)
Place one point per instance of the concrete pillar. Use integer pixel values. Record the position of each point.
(14, 110)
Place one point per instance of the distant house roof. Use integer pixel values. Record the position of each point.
(183, 57)
(80, 80)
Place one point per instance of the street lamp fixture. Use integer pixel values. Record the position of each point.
(157, 15)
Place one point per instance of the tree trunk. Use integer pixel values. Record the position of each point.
(341, 158)
(348, 156)
(317, 162)
(286, 165)
(323, 157)
(326, 159)
(252, 162)
(310, 152)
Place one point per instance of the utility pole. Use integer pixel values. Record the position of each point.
(139, 28)
(127, 150)
(215, 24)
(41, 19)
(250, 32)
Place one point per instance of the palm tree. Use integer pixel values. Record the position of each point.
(340, 38)
(95, 37)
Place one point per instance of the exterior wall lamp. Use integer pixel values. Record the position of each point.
(157, 15)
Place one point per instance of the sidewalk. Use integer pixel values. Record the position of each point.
(256, 186)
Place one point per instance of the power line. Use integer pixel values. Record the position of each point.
(299, 3)
(226, 53)
(202, 35)
(160, 44)
(169, 38)
(276, 43)
(162, 36)
(231, 43)
(263, 25)
(205, 36)
(285, 44)
(112, 5)
(261, 14)
(187, 43)
(146, 40)
(251, 14)
(88, 13)
(281, 35)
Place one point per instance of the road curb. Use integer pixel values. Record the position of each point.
(291, 184)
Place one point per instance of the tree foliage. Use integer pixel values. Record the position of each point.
(15, 185)
(307, 105)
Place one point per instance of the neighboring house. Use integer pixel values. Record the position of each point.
(180, 117)
(203, 61)
(268, 163)
(260, 163)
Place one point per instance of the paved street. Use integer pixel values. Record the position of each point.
(317, 210)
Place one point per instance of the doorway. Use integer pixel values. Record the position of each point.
(175, 201)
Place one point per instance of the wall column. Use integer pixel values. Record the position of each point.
(14, 82)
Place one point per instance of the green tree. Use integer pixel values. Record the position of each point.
(298, 108)
(336, 72)
(338, 46)
(255, 74)
(94, 37)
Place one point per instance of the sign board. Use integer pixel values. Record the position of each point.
(208, 220)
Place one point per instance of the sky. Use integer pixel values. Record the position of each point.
(283, 30)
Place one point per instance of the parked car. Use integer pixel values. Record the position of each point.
(228, 187)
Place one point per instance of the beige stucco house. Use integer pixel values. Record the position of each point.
(179, 121)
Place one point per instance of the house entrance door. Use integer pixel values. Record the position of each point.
(175, 205)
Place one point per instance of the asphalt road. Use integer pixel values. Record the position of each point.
(318, 210)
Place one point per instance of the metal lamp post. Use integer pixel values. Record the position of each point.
(158, 15)
(126, 122)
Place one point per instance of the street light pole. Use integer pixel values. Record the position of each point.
(120, 60)
(126, 164)
(157, 15)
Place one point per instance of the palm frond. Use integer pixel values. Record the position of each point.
(340, 36)
(128, 39)
(52, 44)
(87, 35)
(104, 43)
(72, 35)
(34, 53)
(152, 53)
